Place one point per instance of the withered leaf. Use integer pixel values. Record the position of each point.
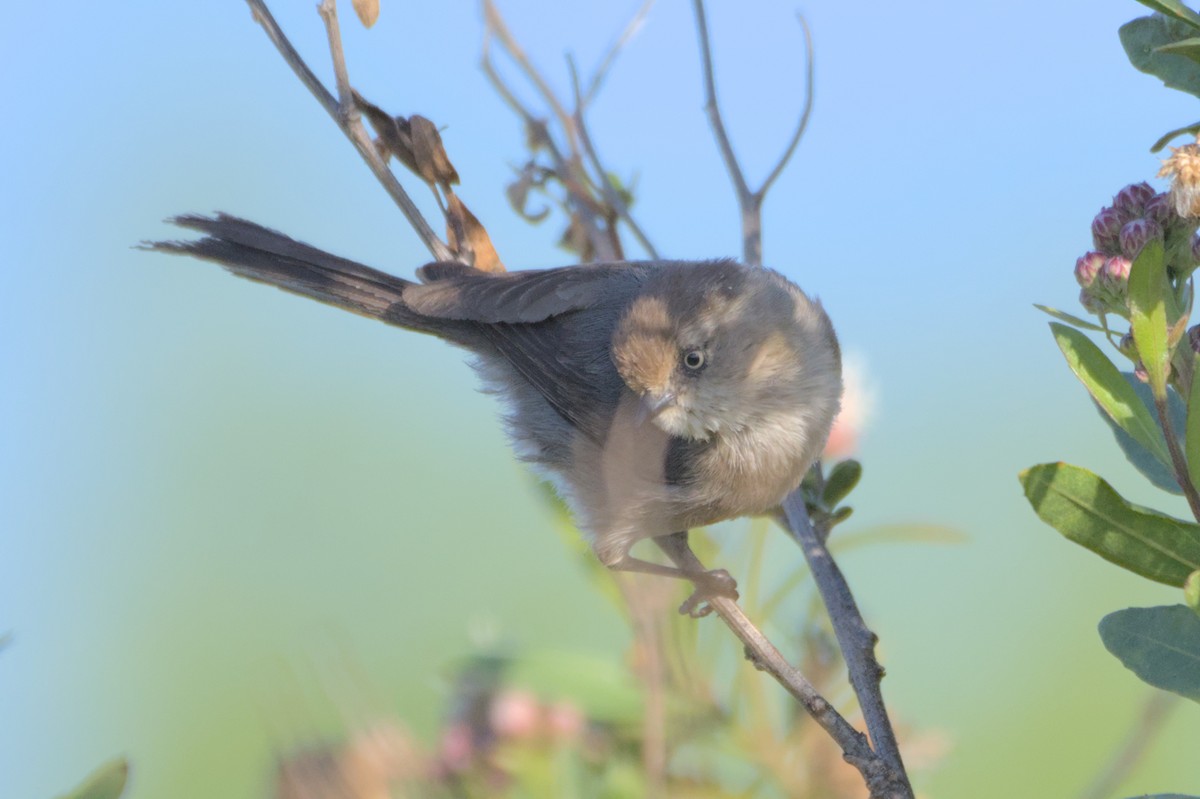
(393, 132)
(415, 142)
(432, 162)
(461, 222)
(367, 10)
(530, 177)
(576, 239)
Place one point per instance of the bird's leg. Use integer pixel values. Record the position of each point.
(708, 582)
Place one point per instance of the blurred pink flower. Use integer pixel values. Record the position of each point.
(456, 748)
(515, 714)
(858, 405)
(565, 720)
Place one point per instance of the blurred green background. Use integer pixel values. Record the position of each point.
(229, 517)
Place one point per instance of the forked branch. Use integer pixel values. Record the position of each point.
(749, 201)
(345, 114)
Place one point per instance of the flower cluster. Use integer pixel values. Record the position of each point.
(1137, 215)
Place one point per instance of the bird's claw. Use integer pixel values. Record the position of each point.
(710, 584)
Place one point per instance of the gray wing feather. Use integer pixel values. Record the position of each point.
(520, 297)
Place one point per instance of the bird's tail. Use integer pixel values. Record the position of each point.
(252, 251)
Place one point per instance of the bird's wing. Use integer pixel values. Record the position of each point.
(461, 293)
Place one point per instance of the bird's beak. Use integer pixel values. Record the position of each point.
(651, 405)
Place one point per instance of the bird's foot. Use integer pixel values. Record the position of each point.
(709, 585)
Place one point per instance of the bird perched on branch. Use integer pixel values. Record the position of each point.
(657, 395)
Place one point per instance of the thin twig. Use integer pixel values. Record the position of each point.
(582, 205)
(749, 202)
(714, 112)
(881, 780)
(349, 123)
(802, 125)
(610, 57)
(855, 639)
(1130, 751)
(496, 26)
(1177, 459)
(607, 191)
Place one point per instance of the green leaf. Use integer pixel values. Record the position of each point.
(841, 481)
(1174, 8)
(1191, 591)
(1148, 314)
(1089, 512)
(1189, 48)
(1161, 645)
(1158, 472)
(1165, 139)
(106, 782)
(1063, 316)
(1141, 39)
(1110, 390)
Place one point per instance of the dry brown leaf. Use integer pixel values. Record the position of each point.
(367, 10)
(432, 162)
(414, 141)
(464, 231)
(394, 137)
(530, 177)
(576, 239)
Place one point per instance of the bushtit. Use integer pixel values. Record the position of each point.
(657, 395)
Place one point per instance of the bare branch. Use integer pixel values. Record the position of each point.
(1130, 751)
(350, 124)
(607, 191)
(714, 111)
(610, 57)
(881, 780)
(328, 12)
(855, 639)
(496, 26)
(569, 171)
(749, 202)
(803, 123)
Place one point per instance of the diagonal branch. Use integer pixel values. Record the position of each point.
(881, 780)
(607, 191)
(635, 24)
(345, 114)
(1132, 749)
(567, 169)
(855, 639)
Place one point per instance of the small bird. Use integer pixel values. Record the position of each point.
(656, 395)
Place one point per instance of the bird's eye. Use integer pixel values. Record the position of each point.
(694, 360)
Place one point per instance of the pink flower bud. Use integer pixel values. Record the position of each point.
(1135, 234)
(1106, 228)
(1160, 209)
(1116, 269)
(1087, 266)
(1131, 200)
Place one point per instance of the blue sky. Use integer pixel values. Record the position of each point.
(190, 463)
